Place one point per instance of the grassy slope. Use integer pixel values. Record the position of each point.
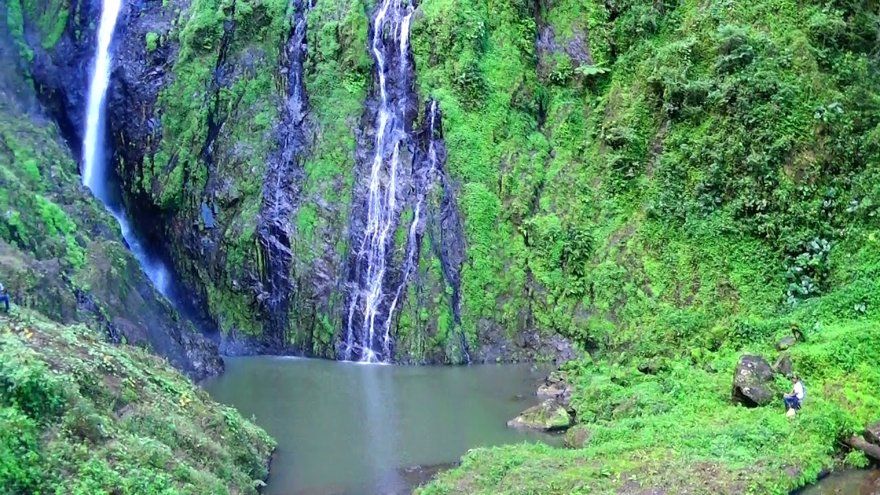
(723, 170)
(80, 416)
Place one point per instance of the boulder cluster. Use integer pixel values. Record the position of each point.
(754, 376)
(554, 413)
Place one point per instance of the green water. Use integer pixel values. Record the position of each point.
(850, 482)
(354, 429)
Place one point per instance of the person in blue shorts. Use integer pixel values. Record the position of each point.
(794, 399)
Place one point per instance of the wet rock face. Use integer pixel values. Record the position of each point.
(752, 382)
(281, 187)
(61, 72)
(210, 122)
(546, 416)
(398, 169)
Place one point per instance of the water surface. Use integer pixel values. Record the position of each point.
(353, 429)
(850, 482)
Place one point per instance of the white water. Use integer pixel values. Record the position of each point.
(412, 241)
(382, 195)
(95, 175)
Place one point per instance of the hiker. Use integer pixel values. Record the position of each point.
(4, 296)
(794, 399)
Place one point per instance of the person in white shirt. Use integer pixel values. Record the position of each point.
(4, 297)
(794, 399)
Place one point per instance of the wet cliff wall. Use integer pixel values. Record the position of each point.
(60, 252)
(610, 176)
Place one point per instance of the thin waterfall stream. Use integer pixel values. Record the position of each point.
(95, 174)
(423, 184)
(367, 336)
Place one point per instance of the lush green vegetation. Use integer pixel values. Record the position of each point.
(705, 184)
(668, 184)
(81, 416)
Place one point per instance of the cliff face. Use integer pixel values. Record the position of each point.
(60, 252)
(605, 171)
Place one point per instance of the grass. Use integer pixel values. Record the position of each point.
(81, 416)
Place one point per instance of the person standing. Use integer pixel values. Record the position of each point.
(4, 297)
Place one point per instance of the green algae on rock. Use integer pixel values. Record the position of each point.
(549, 415)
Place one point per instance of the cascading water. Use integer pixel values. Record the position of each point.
(366, 338)
(95, 175)
(422, 181)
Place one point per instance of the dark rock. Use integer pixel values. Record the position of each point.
(546, 416)
(577, 437)
(786, 343)
(752, 381)
(557, 388)
(872, 433)
(784, 366)
(414, 476)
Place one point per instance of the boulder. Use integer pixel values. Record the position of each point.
(652, 366)
(784, 366)
(557, 388)
(872, 433)
(546, 416)
(869, 449)
(752, 381)
(786, 343)
(577, 437)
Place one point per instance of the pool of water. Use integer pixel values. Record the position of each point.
(852, 482)
(351, 429)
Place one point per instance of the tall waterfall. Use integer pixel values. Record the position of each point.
(95, 172)
(367, 333)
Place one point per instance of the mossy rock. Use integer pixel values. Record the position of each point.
(546, 416)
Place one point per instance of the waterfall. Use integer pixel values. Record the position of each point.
(368, 311)
(95, 171)
(423, 182)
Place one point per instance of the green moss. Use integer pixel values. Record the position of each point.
(59, 224)
(151, 41)
(695, 191)
(15, 24)
(51, 19)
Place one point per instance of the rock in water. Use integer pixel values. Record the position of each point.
(546, 416)
(752, 381)
(872, 433)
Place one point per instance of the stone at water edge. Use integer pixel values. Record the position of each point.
(872, 433)
(752, 382)
(577, 437)
(557, 388)
(546, 416)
